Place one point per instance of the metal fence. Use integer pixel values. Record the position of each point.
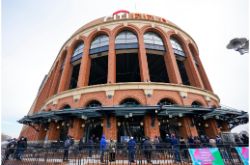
(161, 154)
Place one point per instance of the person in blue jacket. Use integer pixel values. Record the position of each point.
(175, 146)
(131, 150)
(103, 145)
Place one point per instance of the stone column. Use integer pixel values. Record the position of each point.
(212, 130)
(111, 61)
(203, 75)
(192, 70)
(41, 134)
(83, 77)
(53, 132)
(225, 127)
(55, 78)
(65, 80)
(151, 130)
(75, 129)
(142, 57)
(171, 65)
(110, 127)
(187, 128)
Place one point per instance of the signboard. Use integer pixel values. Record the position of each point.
(243, 152)
(124, 139)
(205, 156)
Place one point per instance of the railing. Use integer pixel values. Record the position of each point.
(90, 155)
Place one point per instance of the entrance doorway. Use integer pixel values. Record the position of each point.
(168, 126)
(131, 126)
(93, 129)
(63, 133)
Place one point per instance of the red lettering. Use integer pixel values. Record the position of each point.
(150, 17)
(137, 16)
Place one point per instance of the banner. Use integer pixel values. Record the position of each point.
(205, 156)
(243, 152)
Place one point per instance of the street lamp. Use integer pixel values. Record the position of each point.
(239, 44)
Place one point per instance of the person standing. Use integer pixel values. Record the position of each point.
(147, 147)
(80, 145)
(175, 146)
(112, 150)
(90, 146)
(10, 149)
(131, 150)
(67, 144)
(103, 144)
(245, 139)
(21, 147)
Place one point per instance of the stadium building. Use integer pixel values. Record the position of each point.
(129, 74)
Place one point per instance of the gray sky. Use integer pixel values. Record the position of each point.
(34, 31)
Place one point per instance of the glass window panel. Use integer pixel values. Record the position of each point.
(99, 41)
(78, 49)
(152, 38)
(126, 37)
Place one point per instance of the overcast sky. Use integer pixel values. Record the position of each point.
(34, 31)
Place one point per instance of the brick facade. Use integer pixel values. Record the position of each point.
(57, 83)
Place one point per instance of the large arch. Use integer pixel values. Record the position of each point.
(129, 27)
(169, 59)
(129, 102)
(93, 103)
(98, 55)
(196, 103)
(65, 106)
(127, 61)
(198, 64)
(181, 54)
(77, 54)
(167, 101)
(155, 52)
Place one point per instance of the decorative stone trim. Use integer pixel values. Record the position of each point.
(148, 92)
(108, 88)
(183, 94)
(110, 93)
(76, 97)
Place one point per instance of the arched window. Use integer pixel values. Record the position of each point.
(180, 60)
(153, 41)
(166, 102)
(94, 103)
(99, 44)
(177, 47)
(78, 52)
(155, 52)
(196, 104)
(127, 61)
(66, 107)
(129, 102)
(99, 60)
(76, 63)
(126, 40)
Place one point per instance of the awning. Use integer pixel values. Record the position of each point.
(232, 116)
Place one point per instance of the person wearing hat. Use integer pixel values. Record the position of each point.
(131, 150)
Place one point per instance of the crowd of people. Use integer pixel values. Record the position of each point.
(16, 148)
(177, 145)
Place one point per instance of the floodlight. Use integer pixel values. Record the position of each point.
(239, 44)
